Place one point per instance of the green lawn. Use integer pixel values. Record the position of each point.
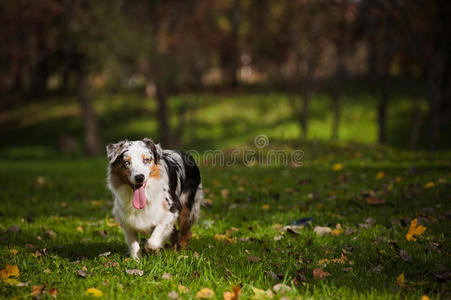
(55, 211)
(63, 211)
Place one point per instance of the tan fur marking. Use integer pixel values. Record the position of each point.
(185, 228)
(165, 206)
(154, 171)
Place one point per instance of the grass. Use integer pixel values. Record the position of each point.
(249, 204)
(62, 209)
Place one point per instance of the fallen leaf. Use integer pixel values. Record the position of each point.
(415, 230)
(13, 251)
(23, 283)
(253, 259)
(374, 200)
(404, 255)
(347, 270)
(337, 166)
(51, 233)
(53, 292)
(337, 231)
(319, 230)
(380, 175)
(223, 237)
(81, 273)
(79, 229)
(135, 272)
(166, 276)
(424, 297)
(225, 193)
(401, 280)
(266, 206)
(234, 295)
(37, 290)
(173, 295)
(47, 271)
(105, 253)
(13, 229)
(205, 293)
(182, 289)
(94, 292)
(429, 185)
(262, 294)
(11, 281)
(10, 271)
(320, 274)
(281, 288)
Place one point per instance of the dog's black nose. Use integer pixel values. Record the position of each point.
(139, 178)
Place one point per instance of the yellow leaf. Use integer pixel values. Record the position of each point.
(183, 289)
(10, 271)
(415, 230)
(398, 179)
(337, 167)
(79, 229)
(94, 292)
(380, 175)
(225, 193)
(11, 281)
(429, 185)
(223, 237)
(205, 293)
(13, 251)
(424, 297)
(261, 294)
(401, 280)
(265, 206)
(337, 231)
(53, 292)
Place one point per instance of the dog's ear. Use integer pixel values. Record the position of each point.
(113, 150)
(155, 148)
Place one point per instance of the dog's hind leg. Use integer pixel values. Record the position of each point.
(185, 227)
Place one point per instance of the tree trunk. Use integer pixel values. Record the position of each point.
(382, 115)
(163, 117)
(336, 110)
(305, 112)
(93, 145)
(417, 121)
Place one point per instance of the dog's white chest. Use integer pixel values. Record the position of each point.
(141, 220)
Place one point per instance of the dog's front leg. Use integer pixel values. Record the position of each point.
(131, 237)
(161, 232)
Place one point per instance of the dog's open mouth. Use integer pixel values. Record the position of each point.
(139, 196)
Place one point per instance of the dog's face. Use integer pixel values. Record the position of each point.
(133, 162)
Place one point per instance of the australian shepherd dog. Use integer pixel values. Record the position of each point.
(152, 189)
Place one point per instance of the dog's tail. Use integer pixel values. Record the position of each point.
(198, 198)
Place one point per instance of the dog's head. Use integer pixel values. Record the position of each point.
(133, 162)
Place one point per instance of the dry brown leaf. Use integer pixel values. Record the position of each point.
(53, 292)
(166, 276)
(253, 259)
(281, 288)
(173, 295)
(320, 274)
(234, 295)
(37, 290)
(374, 200)
(135, 272)
(337, 231)
(319, 230)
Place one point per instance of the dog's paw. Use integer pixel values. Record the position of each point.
(152, 247)
(136, 255)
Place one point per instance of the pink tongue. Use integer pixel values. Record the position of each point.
(139, 199)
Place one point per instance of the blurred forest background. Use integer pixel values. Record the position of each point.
(75, 75)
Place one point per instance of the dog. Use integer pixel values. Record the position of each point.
(152, 190)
